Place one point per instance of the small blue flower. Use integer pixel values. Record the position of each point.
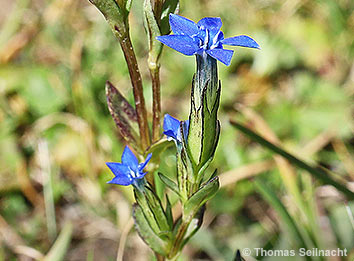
(172, 130)
(204, 37)
(129, 171)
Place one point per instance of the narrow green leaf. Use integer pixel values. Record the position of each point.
(149, 215)
(194, 226)
(152, 209)
(124, 6)
(169, 211)
(128, 5)
(206, 178)
(60, 247)
(269, 195)
(156, 207)
(169, 7)
(153, 30)
(169, 183)
(317, 172)
(198, 199)
(159, 146)
(146, 233)
(115, 16)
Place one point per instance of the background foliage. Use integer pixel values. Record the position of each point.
(56, 131)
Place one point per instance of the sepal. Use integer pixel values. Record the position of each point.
(185, 173)
(204, 131)
(211, 127)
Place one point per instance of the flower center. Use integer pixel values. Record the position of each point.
(207, 39)
(215, 42)
(133, 174)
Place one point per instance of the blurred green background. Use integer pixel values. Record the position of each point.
(56, 132)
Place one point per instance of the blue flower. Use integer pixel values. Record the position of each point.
(204, 37)
(171, 127)
(129, 171)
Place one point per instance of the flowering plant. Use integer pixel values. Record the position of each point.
(195, 139)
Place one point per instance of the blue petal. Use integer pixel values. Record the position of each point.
(241, 40)
(213, 24)
(142, 165)
(181, 43)
(181, 25)
(129, 159)
(121, 180)
(222, 55)
(118, 169)
(171, 126)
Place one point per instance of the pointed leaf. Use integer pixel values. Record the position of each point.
(169, 211)
(124, 115)
(206, 192)
(152, 209)
(158, 147)
(146, 233)
(115, 15)
(124, 6)
(153, 31)
(169, 183)
(157, 209)
(195, 225)
(169, 7)
(149, 215)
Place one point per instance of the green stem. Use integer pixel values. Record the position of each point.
(118, 21)
(159, 257)
(179, 239)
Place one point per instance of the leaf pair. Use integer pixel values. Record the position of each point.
(152, 222)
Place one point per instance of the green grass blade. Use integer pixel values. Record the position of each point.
(60, 247)
(316, 172)
(269, 195)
